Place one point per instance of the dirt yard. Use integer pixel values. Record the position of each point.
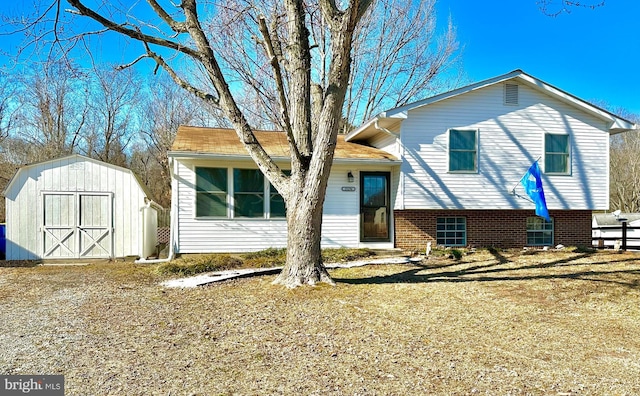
(501, 323)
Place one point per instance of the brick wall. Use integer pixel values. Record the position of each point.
(498, 228)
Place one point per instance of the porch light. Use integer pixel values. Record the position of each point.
(350, 177)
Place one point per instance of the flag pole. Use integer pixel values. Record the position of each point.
(513, 190)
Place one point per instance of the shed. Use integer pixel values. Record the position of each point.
(77, 207)
(607, 229)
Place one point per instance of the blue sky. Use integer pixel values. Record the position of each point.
(592, 54)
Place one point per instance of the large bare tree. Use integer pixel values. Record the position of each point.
(397, 56)
(176, 34)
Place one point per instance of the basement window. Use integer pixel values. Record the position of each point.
(539, 231)
(451, 231)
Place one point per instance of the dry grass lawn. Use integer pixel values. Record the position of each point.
(544, 323)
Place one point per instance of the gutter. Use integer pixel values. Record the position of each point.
(383, 129)
(246, 158)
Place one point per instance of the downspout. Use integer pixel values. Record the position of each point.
(172, 224)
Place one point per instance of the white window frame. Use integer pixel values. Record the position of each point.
(476, 150)
(568, 154)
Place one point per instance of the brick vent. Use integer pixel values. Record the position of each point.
(485, 228)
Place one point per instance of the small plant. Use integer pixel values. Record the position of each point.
(584, 249)
(456, 254)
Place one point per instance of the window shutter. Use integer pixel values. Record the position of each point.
(511, 94)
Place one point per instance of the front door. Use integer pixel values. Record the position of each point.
(374, 207)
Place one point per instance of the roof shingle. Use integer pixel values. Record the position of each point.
(220, 141)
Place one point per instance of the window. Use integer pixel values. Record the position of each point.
(276, 201)
(539, 231)
(248, 193)
(211, 192)
(462, 151)
(451, 231)
(556, 153)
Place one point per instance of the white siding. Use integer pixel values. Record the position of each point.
(510, 138)
(340, 225)
(74, 174)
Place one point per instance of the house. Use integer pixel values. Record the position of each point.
(445, 169)
(607, 229)
(223, 203)
(77, 207)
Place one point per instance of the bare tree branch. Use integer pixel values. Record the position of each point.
(565, 6)
(132, 33)
(178, 27)
(284, 104)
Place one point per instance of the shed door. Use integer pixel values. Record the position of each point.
(77, 225)
(59, 226)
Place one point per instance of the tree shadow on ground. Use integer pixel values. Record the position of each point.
(502, 268)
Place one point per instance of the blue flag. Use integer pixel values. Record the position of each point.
(532, 183)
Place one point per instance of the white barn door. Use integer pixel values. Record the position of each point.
(59, 225)
(77, 225)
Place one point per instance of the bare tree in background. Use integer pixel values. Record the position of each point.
(7, 111)
(624, 163)
(113, 96)
(162, 111)
(556, 7)
(51, 111)
(7, 118)
(398, 57)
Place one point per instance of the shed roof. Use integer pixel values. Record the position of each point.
(609, 219)
(76, 157)
(224, 142)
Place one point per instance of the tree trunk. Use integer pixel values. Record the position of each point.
(304, 222)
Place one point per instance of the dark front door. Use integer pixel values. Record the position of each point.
(374, 206)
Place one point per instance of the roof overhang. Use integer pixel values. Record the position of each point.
(189, 155)
(376, 125)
